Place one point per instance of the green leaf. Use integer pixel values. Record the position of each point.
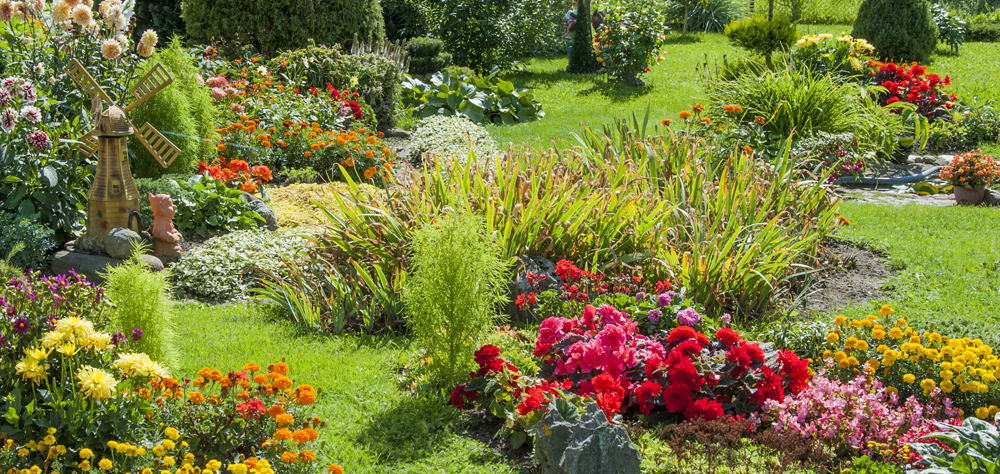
(26, 209)
(51, 175)
(505, 86)
(518, 439)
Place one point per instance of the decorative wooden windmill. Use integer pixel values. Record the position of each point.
(114, 197)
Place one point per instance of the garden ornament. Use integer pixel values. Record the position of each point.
(166, 237)
(114, 197)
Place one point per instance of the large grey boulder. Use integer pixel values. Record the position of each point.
(991, 198)
(93, 266)
(121, 242)
(588, 445)
(265, 211)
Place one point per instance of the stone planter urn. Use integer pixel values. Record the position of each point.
(969, 196)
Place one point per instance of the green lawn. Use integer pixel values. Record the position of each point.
(373, 426)
(950, 264)
(677, 82)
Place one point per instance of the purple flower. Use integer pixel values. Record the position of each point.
(689, 317)
(21, 325)
(727, 319)
(665, 299)
(654, 315)
(136, 334)
(640, 296)
(118, 338)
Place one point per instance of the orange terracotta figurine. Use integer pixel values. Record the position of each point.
(166, 238)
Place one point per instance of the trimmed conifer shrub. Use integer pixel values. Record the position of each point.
(581, 57)
(900, 30)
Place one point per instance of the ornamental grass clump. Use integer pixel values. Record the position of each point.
(457, 285)
(142, 302)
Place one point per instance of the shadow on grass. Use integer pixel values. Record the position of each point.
(414, 428)
(680, 38)
(535, 79)
(616, 91)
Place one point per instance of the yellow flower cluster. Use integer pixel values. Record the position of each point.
(916, 363)
(140, 364)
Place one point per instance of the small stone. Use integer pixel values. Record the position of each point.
(397, 132)
(154, 263)
(121, 242)
(270, 219)
(991, 198)
(588, 445)
(942, 160)
(90, 266)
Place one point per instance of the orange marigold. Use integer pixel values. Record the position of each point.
(308, 154)
(284, 419)
(196, 397)
(307, 456)
(289, 457)
(283, 434)
(300, 436)
(386, 151)
(275, 411)
(335, 469)
(685, 115)
(313, 434)
(369, 154)
(283, 383)
(370, 172)
(260, 379)
(244, 118)
(221, 147)
(698, 108)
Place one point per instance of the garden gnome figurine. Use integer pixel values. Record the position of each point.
(166, 238)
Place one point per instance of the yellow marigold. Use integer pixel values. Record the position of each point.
(886, 310)
(909, 378)
(878, 334)
(840, 320)
(982, 413)
(86, 453)
(947, 386)
(832, 337)
(896, 333)
(861, 345)
(840, 356)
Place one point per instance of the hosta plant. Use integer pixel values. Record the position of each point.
(973, 447)
(483, 99)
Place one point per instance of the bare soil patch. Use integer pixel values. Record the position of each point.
(853, 275)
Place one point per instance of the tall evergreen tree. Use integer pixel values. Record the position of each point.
(582, 58)
(900, 30)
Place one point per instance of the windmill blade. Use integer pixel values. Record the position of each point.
(154, 81)
(88, 144)
(82, 78)
(162, 149)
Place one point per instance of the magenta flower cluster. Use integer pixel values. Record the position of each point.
(859, 416)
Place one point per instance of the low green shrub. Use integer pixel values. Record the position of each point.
(36, 242)
(710, 16)
(983, 33)
(457, 284)
(282, 25)
(830, 12)
(481, 99)
(374, 77)
(762, 37)
(142, 301)
(973, 122)
(226, 267)
(183, 112)
(911, 35)
(424, 66)
(451, 136)
(162, 16)
(866, 465)
(424, 47)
